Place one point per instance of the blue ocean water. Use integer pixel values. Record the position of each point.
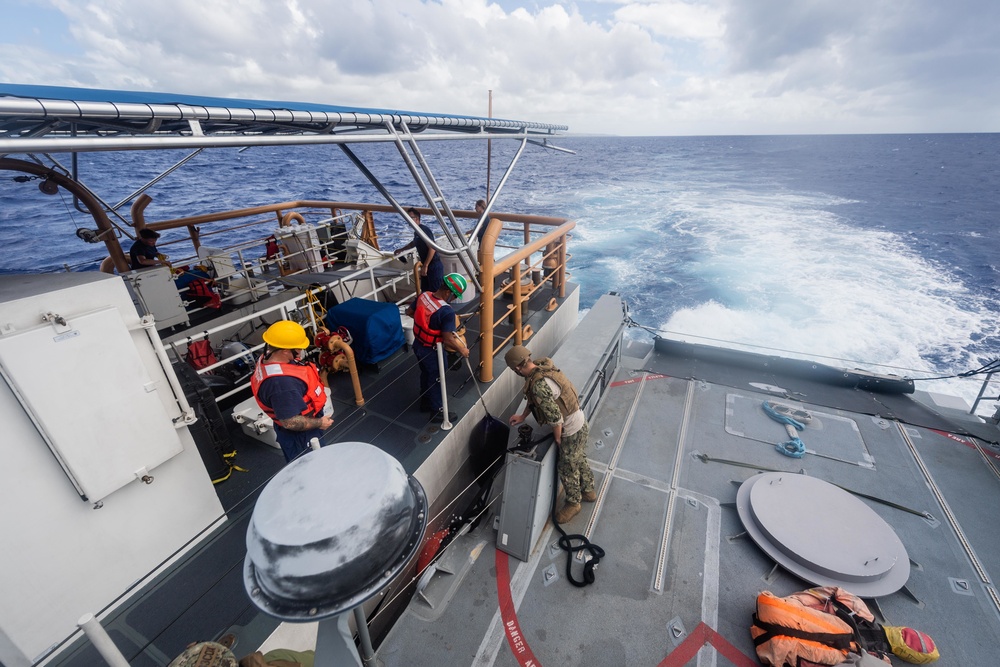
(862, 248)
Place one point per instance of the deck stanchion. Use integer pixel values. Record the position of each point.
(562, 267)
(486, 296)
(515, 281)
(335, 644)
(366, 650)
(98, 636)
(445, 423)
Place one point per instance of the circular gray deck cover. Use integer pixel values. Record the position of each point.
(823, 534)
(330, 530)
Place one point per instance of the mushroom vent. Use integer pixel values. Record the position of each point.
(330, 530)
(822, 534)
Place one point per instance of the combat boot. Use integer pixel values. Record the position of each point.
(590, 496)
(568, 511)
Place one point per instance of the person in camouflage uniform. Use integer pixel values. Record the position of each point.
(553, 400)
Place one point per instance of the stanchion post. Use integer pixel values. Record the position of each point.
(445, 423)
(98, 636)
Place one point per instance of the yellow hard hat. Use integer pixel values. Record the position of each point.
(286, 335)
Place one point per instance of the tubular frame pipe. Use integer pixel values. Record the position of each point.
(445, 423)
(454, 235)
(187, 416)
(337, 343)
(95, 144)
(106, 229)
(365, 649)
(99, 637)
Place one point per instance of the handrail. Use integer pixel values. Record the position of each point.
(544, 234)
(554, 242)
(281, 208)
(980, 397)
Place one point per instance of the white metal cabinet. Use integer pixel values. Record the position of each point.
(91, 398)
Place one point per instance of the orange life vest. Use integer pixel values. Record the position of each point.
(200, 354)
(200, 291)
(427, 305)
(818, 626)
(786, 631)
(315, 396)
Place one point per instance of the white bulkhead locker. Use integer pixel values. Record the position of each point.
(92, 399)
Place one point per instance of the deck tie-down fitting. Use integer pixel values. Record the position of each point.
(794, 448)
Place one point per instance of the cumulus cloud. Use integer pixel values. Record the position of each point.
(666, 66)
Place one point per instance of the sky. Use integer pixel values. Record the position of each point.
(650, 67)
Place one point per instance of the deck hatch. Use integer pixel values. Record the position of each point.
(822, 533)
(827, 435)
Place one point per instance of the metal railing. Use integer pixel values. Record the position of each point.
(545, 240)
(538, 250)
(295, 307)
(995, 418)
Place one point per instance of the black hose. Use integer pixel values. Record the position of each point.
(566, 540)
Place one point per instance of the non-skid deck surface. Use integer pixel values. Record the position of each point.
(669, 449)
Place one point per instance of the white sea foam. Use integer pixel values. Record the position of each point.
(796, 278)
(783, 271)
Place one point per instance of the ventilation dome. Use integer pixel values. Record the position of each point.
(330, 530)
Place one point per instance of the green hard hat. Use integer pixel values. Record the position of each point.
(456, 283)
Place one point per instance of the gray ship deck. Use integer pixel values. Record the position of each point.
(678, 428)
(669, 445)
(202, 597)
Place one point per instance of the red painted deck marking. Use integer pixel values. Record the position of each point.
(680, 656)
(515, 638)
(965, 441)
(648, 376)
(699, 637)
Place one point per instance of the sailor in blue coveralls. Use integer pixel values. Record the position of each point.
(290, 391)
(143, 253)
(432, 268)
(433, 323)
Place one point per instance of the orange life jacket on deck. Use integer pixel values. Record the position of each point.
(201, 292)
(315, 396)
(818, 626)
(427, 305)
(786, 631)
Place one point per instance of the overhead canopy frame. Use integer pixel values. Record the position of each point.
(50, 119)
(36, 119)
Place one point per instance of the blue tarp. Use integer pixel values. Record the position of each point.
(375, 327)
